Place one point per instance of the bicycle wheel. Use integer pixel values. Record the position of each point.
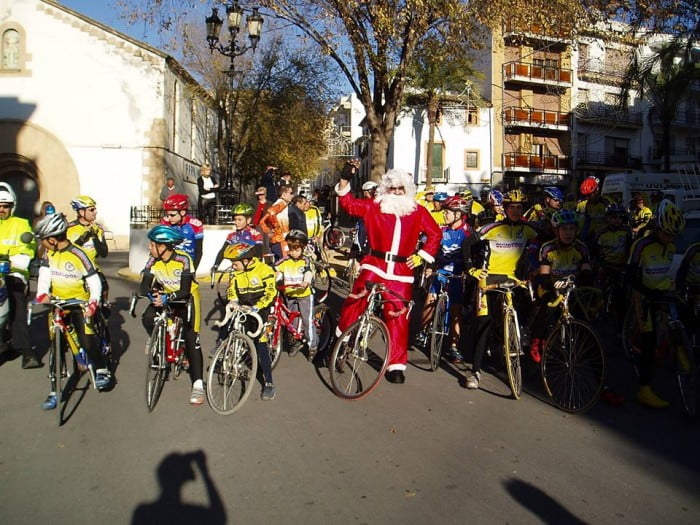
(275, 338)
(512, 351)
(573, 366)
(295, 345)
(156, 366)
(440, 329)
(324, 325)
(334, 238)
(57, 364)
(104, 340)
(231, 374)
(359, 358)
(686, 371)
(321, 283)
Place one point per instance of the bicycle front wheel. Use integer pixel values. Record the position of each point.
(324, 324)
(573, 366)
(156, 366)
(512, 350)
(360, 356)
(57, 364)
(231, 374)
(334, 238)
(440, 329)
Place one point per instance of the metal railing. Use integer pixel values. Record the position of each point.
(535, 163)
(535, 117)
(600, 158)
(539, 74)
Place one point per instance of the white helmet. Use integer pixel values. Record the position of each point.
(7, 194)
(51, 226)
(369, 185)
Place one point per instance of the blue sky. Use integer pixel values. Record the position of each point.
(102, 11)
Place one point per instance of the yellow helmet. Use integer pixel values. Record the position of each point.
(514, 197)
(669, 218)
(83, 201)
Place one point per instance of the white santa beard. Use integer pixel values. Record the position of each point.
(396, 204)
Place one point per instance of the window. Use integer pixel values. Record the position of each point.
(472, 117)
(436, 171)
(616, 151)
(12, 49)
(471, 160)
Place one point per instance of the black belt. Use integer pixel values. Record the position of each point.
(388, 257)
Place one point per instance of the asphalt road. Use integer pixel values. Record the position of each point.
(427, 451)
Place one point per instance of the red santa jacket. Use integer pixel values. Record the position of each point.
(392, 239)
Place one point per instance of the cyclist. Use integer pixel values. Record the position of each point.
(275, 222)
(243, 230)
(640, 215)
(169, 276)
(561, 257)
(503, 244)
(438, 199)
(476, 207)
(253, 285)
(649, 274)
(314, 222)
(458, 237)
(493, 211)
(66, 272)
(552, 199)
(424, 198)
(294, 272)
(20, 254)
(591, 210)
(85, 233)
(191, 228)
(611, 251)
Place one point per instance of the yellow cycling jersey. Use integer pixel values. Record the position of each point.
(169, 273)
(69, 268)
(254, 286)
(650, 263)
(613, 245)
(295, 272)
(507, 242)
(564, 260)
(10, 244)
(689, 270)
(477, 208)
(438, 215)
(84, 236)
(593, 216)
(314, 222)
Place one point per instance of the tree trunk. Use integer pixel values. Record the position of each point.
(666, 144)
(379, 153)
(432, 120)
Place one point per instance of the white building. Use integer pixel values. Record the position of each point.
(86, 110)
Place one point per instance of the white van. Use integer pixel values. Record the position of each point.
(684, 190)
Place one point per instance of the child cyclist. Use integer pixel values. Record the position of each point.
(294, 272)
(66, 272)
(253, 285)
(169, 276)
(243, 231)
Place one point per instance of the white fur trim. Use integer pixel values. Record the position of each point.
(385, 275)
(396, 366)
(344, 192)
(426, 256)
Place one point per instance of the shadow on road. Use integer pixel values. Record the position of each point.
(173, 472)
(120, 338)
(539, 503)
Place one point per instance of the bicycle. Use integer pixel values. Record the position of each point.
(441, 317)
(234, 365)
(361, 353)
(512, 349)
(282, 321)
(63, 331)
(333, 237)
(670, 331)
(573, 363)
(321, 270)
(165, 350)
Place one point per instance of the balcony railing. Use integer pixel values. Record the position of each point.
(515, 116)
(685, 119)
(536, 74)
(534, 31)
(677, 154)
(599, 158)
(535, 163)
(608, 115)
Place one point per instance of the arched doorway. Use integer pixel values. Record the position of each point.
(21, 174)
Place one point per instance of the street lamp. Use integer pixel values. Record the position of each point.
(254, 21)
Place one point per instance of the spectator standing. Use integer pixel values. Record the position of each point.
(297, 219)
(207, 187)
(285, 180)
(170, 188)
(267, 181)
(275, 222)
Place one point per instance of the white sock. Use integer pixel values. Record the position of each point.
(198, 384)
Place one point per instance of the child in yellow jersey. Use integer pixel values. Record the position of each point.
(294, 272)
(66, 272)
(253, 285)
(169, 276)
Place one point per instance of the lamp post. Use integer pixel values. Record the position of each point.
(254, 21)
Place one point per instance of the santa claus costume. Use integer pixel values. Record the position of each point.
(394, 223)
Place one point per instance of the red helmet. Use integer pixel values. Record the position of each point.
(176, 202)
(456, 203)
(589, 185)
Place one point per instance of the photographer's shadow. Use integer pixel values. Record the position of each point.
(173, 472)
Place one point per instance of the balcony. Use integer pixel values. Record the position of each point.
(607, 115)
(525, 73)
(685, 119)
(601, 75)
(531, 163)
(599, 159)
(534, 32)
(536, 118)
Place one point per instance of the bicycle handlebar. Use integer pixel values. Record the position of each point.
(245, 311)
(135, 298)
(53, 302)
